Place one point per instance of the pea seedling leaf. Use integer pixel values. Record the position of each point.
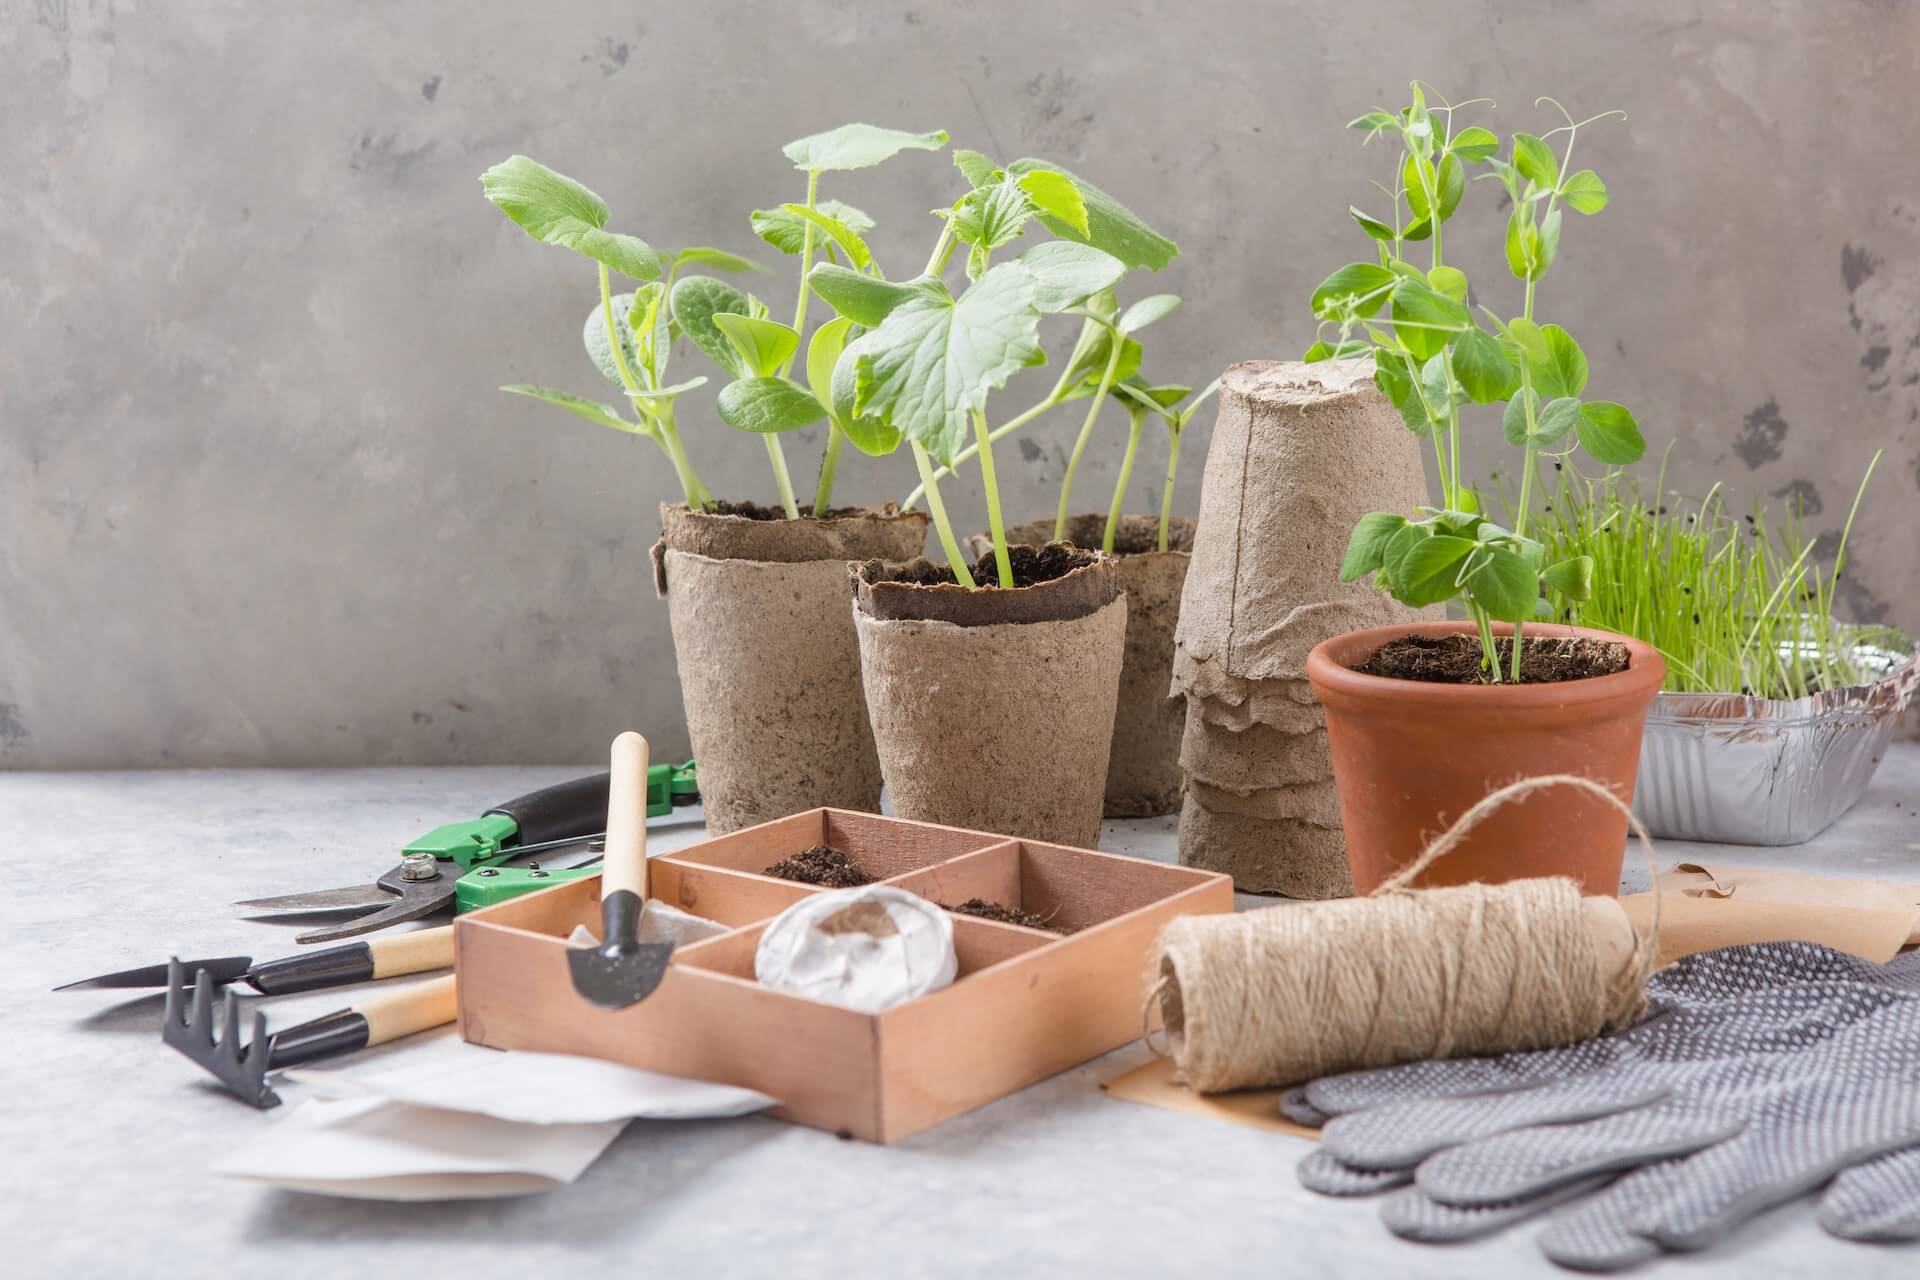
(1110, 225)
(1609, 433)
(592, 410)
(1563, 372)
(1424, 318)
(1513, 423)
(1451, 281)
(1504, 584)
(1367, 547)
(1357, 289)
(1375, 228)
(768, 405)
(1559, 417)
(1473, 144)
(934, 358)
(1531, 337)
(857, 146)
(1572, 578)
(1482, 366)
(555, 209)
(695, 301)
(1534, 159)
(1427, 571)
(1584, 192)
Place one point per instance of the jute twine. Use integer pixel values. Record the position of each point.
(1289, 994)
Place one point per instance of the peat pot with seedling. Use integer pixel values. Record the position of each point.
(757, 595)
(991, 684)
(1425, 720)
(1150, 553)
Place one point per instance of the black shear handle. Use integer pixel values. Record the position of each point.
(561, 811)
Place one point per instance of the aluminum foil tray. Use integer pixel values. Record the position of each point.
(1736, 769)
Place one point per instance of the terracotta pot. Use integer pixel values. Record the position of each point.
(1143, 762)
(1409, 757)
(769, 666)
(993, 709)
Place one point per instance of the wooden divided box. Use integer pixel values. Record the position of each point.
(1027, 1003)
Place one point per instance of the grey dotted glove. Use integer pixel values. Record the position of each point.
(1760, 1073)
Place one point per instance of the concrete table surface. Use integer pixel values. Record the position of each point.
(106, 1137)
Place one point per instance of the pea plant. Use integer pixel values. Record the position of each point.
(630, 336)
(914, 362)
(1433, 358)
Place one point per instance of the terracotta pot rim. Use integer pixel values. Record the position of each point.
(1645, 672)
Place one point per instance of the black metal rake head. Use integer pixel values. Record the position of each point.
(240, 1068)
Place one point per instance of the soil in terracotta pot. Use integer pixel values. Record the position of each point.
(1003, 913)
(823, 865)
(1455, 659)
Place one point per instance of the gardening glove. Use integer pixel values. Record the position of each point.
(1761, 1072)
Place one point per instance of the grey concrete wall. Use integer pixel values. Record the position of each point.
(260, 502)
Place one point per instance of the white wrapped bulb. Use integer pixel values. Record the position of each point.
(868, 948)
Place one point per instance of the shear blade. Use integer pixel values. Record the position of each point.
(359, 897)
(400, 910)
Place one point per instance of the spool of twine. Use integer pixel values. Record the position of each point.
(1288, 994)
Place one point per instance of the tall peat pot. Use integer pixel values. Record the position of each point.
(769, 666)
(1143, 764)
(1409, 757)
(993, 708)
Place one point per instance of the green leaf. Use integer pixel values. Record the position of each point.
(592, 410)
(976, 168)
(787, 233)
(1372, 122)
(1089, 362)
(695, 301)
(1357, 289)
(1482, 366)
(1427, 572)
(557, 210)
(1534, 159)
(1423, 317)
(768, 405)
(1453, 185)
(763, 345)
(593, 335)
(1066, 273)
(1372, 226)
(1504, 584)
(1584, 192)
(1449, 280)
(1549, 240)
(1419, 178)
(1559, 417)
(1394, 376)
(858, 146)
(1513, 423)
(718, 259)
(1337, 351)
(864, 299)
(1571, 578)
(1054, 194)
(652, 339)
(1474, 144)
(850, 244)
(1421, 230)
(870, 434)
(1523, 246)
(823, 352)
(1531, 337)
(1439, 388)
(1609, 433)
(666, 395)
(1111, 226)
(1146, 311)
(933, 360)
(988, 218)
(1367, 546)
(1137, 393)
(1564, 370)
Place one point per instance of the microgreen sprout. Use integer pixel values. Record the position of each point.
(1432, 358)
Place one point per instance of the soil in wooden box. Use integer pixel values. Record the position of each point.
(1004, 914)
(822, 865)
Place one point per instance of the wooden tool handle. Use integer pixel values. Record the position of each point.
(626, 858)
(393, 1014)
(415, 952)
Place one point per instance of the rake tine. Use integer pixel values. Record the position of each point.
(200, 1021)
(239, 1066)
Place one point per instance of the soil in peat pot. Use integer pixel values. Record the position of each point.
(1004, 914)
(1031, 566)
(823, 865)
(1455, 659)
(755, 511)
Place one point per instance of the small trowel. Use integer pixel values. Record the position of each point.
(622, 970)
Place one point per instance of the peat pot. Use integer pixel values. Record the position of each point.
(1409, 757)
(993, 708)
(769, 666)
(1143, 762)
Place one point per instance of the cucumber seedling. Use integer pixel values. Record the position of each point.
(1433, 358)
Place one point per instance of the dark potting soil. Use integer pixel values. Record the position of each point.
(1004, 914)
(754, 511)
(822, 865)
(1455, 659)
(1031, 566)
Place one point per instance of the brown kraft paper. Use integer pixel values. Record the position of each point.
(1003, 727)
(1300, 452)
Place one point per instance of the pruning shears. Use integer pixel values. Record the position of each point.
(477, 863)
